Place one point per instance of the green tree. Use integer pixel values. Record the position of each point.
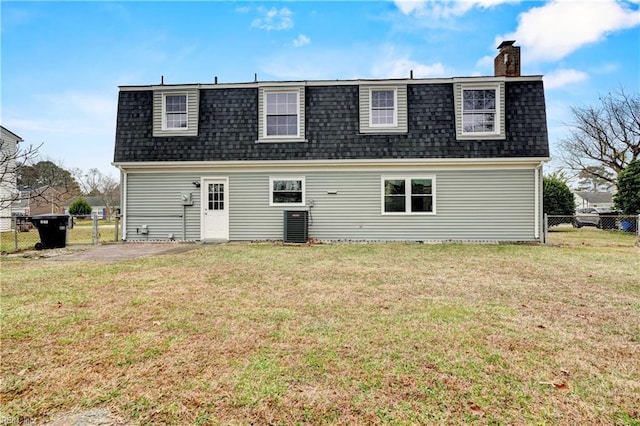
(628, 197)
(48, 174)
(557, 197)
(80, 207)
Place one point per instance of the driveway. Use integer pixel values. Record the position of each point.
(113, 252)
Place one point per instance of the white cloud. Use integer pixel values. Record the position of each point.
(273, 19)
(349, 62)
(563, 77)
(301, 40)
(558, 28)
(69, 124)
(444, 8)
(393, 65)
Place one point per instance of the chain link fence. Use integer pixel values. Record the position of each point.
(592, 230)
(21, 234)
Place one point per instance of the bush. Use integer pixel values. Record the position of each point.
(628, 197)
(558, 198)
(80, 207)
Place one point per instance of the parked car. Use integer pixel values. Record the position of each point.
(600, 218)
(586, 217)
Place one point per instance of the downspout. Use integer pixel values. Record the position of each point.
(184, 222)
(537, 203)
(123, 203)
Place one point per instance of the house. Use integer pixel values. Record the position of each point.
(8, 189)
(98, 206)
(596, 200)
(355, 160)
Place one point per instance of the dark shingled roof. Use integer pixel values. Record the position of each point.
(228, 127)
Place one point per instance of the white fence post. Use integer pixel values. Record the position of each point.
(545, 229)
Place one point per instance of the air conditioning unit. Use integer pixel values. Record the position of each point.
(296, 226)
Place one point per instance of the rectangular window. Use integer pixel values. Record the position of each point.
(408, 195)
(216, 196)
(286, 191)
(479, 111)
(383, 107)
(175, 107)
(281, 113)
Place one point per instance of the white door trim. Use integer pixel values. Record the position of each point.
(204, 180)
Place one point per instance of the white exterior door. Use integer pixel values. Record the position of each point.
(215, 209)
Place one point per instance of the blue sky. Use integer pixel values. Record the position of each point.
(62, 62)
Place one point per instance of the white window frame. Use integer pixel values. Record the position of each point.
(497, 113)
(408, 194)
(165, 112)
(395, 107)
(292, 178)
(265, 114)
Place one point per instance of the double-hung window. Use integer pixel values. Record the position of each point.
(175, 111)
(479, 110)
(408, 195)
(282, 113)
(286, 191)
(383, 108)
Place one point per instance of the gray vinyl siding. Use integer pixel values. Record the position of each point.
(154, 199)
(471, 205)
(476, 205)
(365, 110)
(192, 113)
(501, 96)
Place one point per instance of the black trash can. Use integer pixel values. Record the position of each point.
(52, 229)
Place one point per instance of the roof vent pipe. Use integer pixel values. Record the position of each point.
(411, 74)
(161, 79)
(215, 79)
(255, 77)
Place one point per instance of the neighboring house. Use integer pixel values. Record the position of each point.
(596, 200)
(367, 160)
(97, 204)
(8, 189)
(21, 207)
(46, 200)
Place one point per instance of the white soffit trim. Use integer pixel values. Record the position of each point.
(290, 165)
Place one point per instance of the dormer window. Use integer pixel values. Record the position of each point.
(281, 114)
(175, 107)
(175, 112)
(383, 108)
(479, 109)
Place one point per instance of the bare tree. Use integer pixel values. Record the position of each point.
(12, 161)
(607, 135)
(95, 183)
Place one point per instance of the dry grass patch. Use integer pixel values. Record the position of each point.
(344, 334)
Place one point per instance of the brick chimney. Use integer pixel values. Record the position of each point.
(507, 63)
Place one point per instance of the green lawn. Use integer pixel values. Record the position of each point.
(328, 334)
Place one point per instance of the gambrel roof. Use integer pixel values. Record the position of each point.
(228, 124)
